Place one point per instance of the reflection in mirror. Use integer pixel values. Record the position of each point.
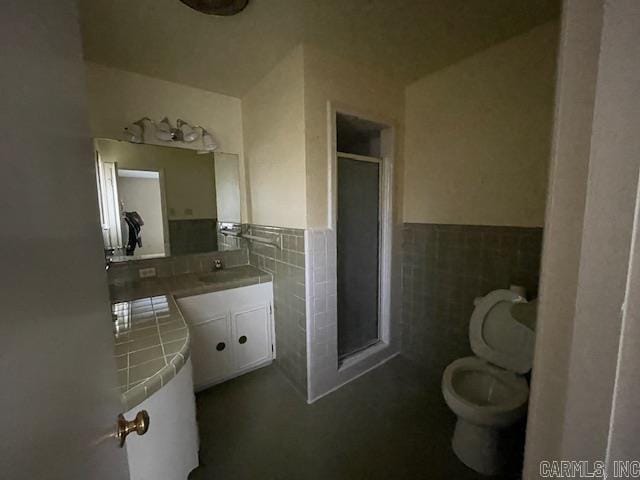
(141, 191)
(157, 201)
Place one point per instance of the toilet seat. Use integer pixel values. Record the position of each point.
(499, 338)
(483, 393)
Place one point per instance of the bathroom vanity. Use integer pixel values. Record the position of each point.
(189, 332)
(232, 332)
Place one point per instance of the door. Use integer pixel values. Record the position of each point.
(358, 227)
(252, 345)
(624, 434)
(584, 390)
(211, 350)
(59, 398)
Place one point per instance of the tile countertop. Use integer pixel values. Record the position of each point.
(151, 346)
(151, 335)
(189, 284)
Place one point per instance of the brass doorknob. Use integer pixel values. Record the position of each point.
(140, 425)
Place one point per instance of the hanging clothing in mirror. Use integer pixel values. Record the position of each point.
(133, 237)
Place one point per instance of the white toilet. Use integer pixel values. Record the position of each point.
(488, 392)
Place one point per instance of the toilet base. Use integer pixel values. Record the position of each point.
(480, 448)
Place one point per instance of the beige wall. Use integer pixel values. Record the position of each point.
(349, 86)
(285, 131)
(117, 98)
(273, 125)
(478, 136)
(188, 177)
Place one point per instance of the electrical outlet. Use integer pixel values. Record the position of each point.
(147, 272)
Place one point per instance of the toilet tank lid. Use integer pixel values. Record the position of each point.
(498, 337)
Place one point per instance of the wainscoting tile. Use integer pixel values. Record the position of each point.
(444, 267)
(288, 268)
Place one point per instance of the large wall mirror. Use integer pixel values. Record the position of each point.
(157, 201)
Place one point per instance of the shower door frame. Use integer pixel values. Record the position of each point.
(386, 162)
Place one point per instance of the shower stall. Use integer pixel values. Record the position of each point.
(358, 233)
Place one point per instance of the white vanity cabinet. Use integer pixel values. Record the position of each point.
(231, 332)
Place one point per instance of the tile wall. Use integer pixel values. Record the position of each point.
(444, 267)
(287, 265)
(322, 310)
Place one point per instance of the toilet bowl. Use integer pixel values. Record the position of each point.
(488, 392)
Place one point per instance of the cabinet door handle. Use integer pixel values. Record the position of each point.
(242, 340)
(220, 346)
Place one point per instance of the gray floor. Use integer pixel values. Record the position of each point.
(388, 424)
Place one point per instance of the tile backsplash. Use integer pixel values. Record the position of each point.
(444, 267)
(122, 273)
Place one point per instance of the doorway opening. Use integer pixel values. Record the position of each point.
(140, 194)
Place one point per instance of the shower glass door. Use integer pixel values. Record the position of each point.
(358, 242)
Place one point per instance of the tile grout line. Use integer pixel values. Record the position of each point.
(128, 363)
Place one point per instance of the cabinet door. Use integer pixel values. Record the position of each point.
(211, 351)
(252, 339)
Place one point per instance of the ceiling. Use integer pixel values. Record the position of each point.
(406, 39)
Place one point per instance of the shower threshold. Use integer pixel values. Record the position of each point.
(346, 357)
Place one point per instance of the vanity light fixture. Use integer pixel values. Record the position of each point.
(165, 132)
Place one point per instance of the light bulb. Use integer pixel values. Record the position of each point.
(189, 134)
(164, 131)
(135, 132)
(208, 144)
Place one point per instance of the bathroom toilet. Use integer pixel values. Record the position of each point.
(488, 392)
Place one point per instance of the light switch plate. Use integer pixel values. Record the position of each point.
(147, 272)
